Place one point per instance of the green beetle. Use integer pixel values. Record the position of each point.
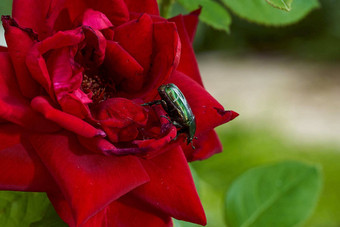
(178, 109)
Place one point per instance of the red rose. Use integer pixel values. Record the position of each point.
(72, 82)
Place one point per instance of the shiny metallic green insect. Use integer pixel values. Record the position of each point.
(178, 109)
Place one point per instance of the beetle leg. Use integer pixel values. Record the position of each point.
(178, 125)
(192, 144)
(164, 105)
(155, 102)
(166, 118)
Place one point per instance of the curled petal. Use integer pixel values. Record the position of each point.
(40, 15)
(126, 72)
(19, 42)
(89, 182)
(120, 118)
(179, 199)
(93, 53)
(13, 106)
(186, 26)
(161, 137)
(167, 49)
(60, 39)
(115, 10)
(190, 22)
(102, 146)
(136, 38)
(208, 112)
(75, 103)
(96, 20)
(67, 121)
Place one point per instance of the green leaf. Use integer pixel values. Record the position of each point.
(283, 194)
(259, 11)
(50, 219)
(213, 13)
(6, 7)
(21, 208)
(281, 4)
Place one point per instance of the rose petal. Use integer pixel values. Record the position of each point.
(167, 49)
(19, 42)
(67, 121)
(88, 181)
(205, 146)
(190, 23)
(20, 168)
(136, 38)
(127, 212)
(208, 112)
(3, 49)
(93, 53)
(63, 21)
(124, 212)
(67, 78)
(62, 207)
(146, 6)
(13, 106)
(115, 10)
(121, 118)
(160, 140)
(39, 15)
(96, 20)
(102, 146)
(126, 72)
(61, 39)
(171, 188)
(186, 26)
(75, 103)
(61, 72)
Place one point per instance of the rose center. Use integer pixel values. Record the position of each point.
(101, 88)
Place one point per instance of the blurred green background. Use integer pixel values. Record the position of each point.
(285, 84)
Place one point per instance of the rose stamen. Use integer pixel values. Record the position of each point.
(101, 88)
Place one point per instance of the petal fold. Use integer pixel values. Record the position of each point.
(13, 106)
(89, 182)
(121, 67)
(136, 38)
(121, 118)
(166, 55)
(186, 26)
(19, 42)
(171, 188)
(67, 121)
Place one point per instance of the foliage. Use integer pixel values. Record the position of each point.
(259, 11)
(282, 194)
(213, 13)
(21, 208)
(264, 12)
(5, 7)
